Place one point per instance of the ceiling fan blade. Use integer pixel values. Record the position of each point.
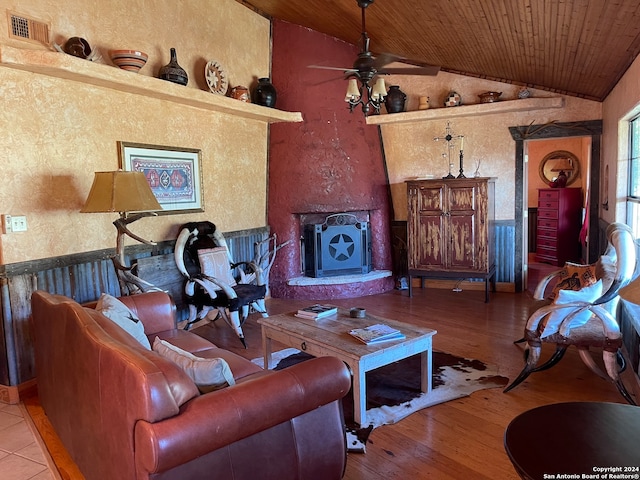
(322, 67)
(385, 59)
(430, 70)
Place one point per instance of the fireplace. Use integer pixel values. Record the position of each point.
(340, 245)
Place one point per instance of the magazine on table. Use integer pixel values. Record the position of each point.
(317, 311)
(377, 333)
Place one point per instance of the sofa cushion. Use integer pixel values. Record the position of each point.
(574, 276)
(208, 373)
(119, 313)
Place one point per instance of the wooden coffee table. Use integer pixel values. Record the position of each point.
(330, 337)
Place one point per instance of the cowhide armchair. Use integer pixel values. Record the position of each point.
(585, 316)
(202, 256)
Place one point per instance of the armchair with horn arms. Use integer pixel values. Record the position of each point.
(202, 256)
(585, 316)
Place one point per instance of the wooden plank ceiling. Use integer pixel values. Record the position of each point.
(573, 47)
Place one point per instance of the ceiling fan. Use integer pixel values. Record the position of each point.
(367, 66)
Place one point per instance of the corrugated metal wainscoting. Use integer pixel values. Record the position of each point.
(82, 277)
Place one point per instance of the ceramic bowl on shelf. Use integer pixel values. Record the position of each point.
(78, 47)
(130, 60)
(489, 97)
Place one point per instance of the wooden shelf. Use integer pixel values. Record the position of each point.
(61, 65)
(526, 104)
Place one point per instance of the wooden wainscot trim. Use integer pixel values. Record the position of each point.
(12, 394)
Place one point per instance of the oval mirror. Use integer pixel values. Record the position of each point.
(556, 161)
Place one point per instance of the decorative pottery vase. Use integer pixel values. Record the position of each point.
(424, 103)
(395, 99)
(561, 179)
(524, 93)
(265, 93)
(78, 47)
(241, 93)
(453, 99)
(173, 72)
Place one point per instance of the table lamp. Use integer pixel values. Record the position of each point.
(123, 192)
(562, 166)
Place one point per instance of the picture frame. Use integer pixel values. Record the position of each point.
(174, 174)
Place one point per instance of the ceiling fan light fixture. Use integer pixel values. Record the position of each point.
(353, 92)
(362, 90)
(371, 98)
(379, 90)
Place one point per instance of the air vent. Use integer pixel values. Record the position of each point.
(29, 29)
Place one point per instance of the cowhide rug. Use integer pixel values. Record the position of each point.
(393, 391)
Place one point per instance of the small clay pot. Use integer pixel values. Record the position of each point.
(241, 93)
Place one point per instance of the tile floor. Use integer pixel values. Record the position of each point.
(21, 454)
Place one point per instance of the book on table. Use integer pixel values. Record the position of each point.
(376, 333)
(317, 311)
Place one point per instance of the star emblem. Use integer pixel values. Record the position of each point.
(341, 247)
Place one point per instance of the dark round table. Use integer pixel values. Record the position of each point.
(569, 440)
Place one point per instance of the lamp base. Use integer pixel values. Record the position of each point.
(561, 180)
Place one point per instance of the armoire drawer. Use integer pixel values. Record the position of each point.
(547, 243)
(547, 223)
(545, 213)
(548, 195)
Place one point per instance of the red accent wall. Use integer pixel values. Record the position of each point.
(332, 162)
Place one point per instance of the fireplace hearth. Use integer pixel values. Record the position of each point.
(341, 245)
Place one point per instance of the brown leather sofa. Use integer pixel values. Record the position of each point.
(124, 412)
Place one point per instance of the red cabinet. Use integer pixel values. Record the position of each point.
(558, 226)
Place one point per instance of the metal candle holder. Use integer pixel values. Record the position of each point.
(461, 175)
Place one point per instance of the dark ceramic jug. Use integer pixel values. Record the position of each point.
(265, 93)
(173, 72)
(394, 101)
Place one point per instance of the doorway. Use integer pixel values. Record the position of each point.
(555, 130)
(544, 156)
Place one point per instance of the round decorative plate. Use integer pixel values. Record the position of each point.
(216, 78)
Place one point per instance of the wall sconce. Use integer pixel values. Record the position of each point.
(123, 192)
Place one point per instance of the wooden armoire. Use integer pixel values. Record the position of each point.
(450, 229)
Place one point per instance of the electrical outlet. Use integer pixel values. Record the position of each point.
(19, 223)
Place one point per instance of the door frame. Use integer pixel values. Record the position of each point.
(592, 128)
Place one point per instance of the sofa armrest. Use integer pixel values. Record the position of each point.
(219, 418)
(156, 310)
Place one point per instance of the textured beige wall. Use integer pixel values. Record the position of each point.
(411, 151)
(622, 104)
(56, 133)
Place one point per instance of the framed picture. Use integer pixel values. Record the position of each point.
(174, 174)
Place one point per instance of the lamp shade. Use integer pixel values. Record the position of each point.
(120, 191)
(379, 90)
(562, 164)
(353, 92)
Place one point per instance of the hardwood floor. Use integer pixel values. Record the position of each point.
(461, 439)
